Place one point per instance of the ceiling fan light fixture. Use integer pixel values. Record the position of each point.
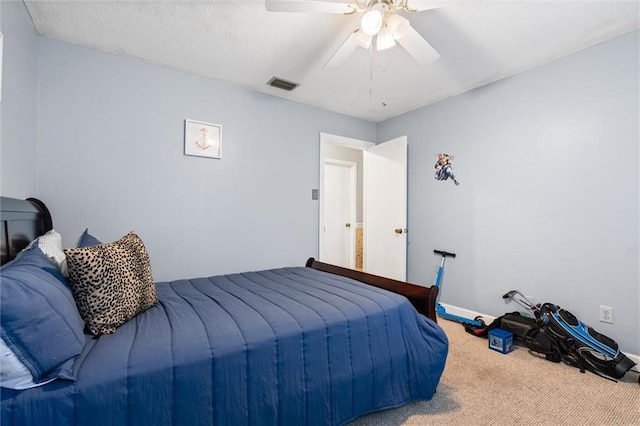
(398, 26)
(371, 22)
(385, 39)
(363, 39)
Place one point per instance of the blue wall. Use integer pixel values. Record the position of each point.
(111, 147)
(19, 107)
(549, 194)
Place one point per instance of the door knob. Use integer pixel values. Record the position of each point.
(348, 225)
(398, 231)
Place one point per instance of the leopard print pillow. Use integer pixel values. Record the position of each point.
(111, 282)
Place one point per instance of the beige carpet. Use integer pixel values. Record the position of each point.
(484, 387)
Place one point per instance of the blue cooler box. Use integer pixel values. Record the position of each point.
(501, 340)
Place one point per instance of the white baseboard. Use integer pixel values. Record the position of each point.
(466, 313)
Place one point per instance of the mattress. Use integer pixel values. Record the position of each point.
(289, 346)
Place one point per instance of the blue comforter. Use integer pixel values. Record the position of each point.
(291, 346)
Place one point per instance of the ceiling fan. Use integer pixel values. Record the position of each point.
(379, 22)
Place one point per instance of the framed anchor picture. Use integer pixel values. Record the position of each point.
(202, 139)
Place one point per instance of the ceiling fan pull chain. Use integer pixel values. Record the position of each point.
(384, 79)
(371, 65)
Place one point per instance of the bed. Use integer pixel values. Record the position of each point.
(312, 345)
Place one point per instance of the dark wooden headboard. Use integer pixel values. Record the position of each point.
(21, 221)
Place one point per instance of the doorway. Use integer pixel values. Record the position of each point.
(380, 206)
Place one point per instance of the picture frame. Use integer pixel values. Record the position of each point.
(202, 139)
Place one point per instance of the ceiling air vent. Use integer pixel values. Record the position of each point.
(282, 84)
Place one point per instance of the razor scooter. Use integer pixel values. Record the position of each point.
(477, 321)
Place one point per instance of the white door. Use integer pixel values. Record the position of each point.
(385, 209)
(339, 218)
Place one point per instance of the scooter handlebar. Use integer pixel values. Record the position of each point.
(444, 253)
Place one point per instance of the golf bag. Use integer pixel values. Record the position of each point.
(560, 336)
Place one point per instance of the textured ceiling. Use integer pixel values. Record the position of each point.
(239, 41)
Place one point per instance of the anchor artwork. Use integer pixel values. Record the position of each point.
(202, 139)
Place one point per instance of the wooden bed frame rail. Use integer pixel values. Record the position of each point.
(422, 298)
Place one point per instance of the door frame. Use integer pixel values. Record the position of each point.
(353, 180)
(330, 139)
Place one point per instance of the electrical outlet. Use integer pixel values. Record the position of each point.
(606, 314)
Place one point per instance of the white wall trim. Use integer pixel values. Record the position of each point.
(345, 141)
(466, 313)
(1, 44)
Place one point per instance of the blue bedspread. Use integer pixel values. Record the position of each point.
(291, 346)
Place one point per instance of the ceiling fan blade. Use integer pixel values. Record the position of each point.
(422, 5)
(418, 47)
(345, 50)
(310, 6)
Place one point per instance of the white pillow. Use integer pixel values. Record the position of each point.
(51, 245)
(13, 373)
